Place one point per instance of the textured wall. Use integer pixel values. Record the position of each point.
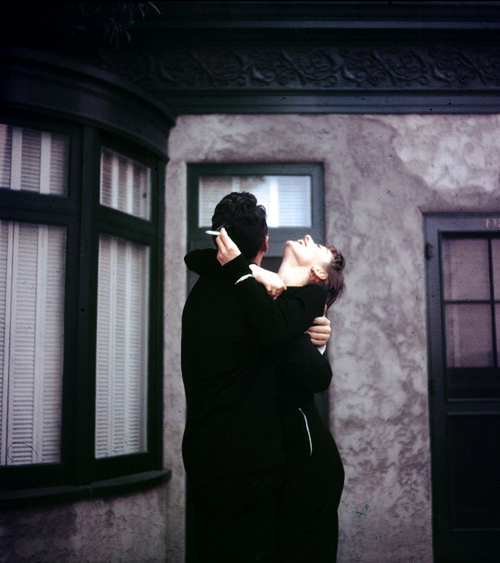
(381, 173)
(130, 529)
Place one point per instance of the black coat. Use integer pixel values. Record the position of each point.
(232, 338)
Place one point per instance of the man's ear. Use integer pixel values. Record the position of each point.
(265, 244)
(318, 272)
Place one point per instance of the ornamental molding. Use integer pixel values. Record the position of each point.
(311, 68)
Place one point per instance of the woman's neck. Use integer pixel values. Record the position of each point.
(293, 276)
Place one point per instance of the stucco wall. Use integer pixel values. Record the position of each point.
(130, 529)
(381, 174)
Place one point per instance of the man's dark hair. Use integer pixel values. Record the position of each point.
(244, 220)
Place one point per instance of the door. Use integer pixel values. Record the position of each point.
(463, 287)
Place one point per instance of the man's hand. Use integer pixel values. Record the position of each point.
(227, 249)
(320, 332)
(271, 281)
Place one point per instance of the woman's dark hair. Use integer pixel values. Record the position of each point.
(334, 282)
(244, 220)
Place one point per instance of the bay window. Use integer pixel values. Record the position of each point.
(81, 235)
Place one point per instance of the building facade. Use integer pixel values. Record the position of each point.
(396, 105)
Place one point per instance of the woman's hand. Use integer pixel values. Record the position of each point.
(271, 281)
(227, 249)
(320, 332)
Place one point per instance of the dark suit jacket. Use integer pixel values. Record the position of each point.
(231, 337)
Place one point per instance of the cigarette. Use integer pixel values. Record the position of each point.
(214, 233)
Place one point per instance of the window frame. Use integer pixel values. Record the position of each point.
(197, 238)
(277, 235)
(79, 473)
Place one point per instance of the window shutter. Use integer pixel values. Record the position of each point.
(125, 185)
(32, 274)
(122, 347)
(33, 161)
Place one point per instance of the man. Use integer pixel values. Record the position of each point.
(233, 445)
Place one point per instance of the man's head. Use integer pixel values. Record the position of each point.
(305, 261)
(245, 222)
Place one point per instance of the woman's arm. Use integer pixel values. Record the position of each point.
(275, 321)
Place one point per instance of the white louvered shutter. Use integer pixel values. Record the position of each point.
(125, 185)
(122, 347)
(33, 161)
(32, 276)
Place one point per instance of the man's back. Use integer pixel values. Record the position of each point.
(232, 426)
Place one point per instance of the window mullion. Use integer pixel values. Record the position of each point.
(84, 385)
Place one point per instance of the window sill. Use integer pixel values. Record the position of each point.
(107, 488)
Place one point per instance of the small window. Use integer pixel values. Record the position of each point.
(287, 199)
(291, 193)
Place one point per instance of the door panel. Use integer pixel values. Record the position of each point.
(463, 288)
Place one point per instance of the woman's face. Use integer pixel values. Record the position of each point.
(306, 252)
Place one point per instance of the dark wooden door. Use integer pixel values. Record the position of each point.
(463, 285)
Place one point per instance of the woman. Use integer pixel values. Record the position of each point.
(311, 492)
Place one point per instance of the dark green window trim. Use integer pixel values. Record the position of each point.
(106, 488)
(79, 474)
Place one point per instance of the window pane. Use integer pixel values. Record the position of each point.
(122, 345)
(287, 199)
(125, 185)
(33, 161)
(495, 251)
(466, 270)
(475, 470)
(469, 335)
(32, 276)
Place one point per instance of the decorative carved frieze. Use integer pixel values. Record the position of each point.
(312, 68)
